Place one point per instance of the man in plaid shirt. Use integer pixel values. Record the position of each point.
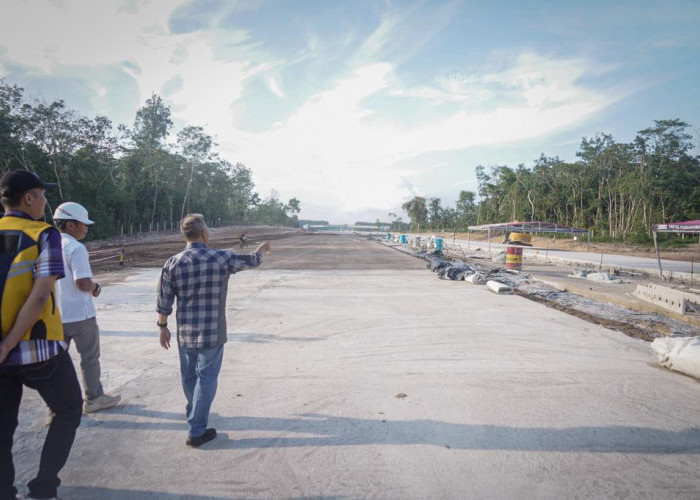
(198, 277)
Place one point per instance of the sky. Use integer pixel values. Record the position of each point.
(355, 107)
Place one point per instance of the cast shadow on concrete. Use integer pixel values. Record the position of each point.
(94, 492)
(106, 418)
(313, 430)
(263, 338)
(343, 431)
(251, 337)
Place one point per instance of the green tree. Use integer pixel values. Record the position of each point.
(465, 210)
(11, 146)
(130, 177)
(52, 130)
(435, 211)
(149, 159)
(152, 124)
(242, 198)
(417, 211)
(196, 147)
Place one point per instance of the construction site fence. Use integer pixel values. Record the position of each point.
(129, 235)
(167, 226)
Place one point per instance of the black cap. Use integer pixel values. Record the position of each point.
(18, 181)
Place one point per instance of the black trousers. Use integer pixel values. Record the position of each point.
(57, 384)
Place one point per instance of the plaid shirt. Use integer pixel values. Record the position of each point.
(198, 277)
(49, 263)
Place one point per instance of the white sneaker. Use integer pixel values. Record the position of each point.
(100, 403)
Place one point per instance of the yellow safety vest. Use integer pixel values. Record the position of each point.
(19, 249)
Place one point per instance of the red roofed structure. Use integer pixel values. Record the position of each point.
(528, 227)
(686, 227)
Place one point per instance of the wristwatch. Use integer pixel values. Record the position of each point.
(97, 287)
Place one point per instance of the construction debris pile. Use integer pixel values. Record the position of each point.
(589, 275)
(483, 270)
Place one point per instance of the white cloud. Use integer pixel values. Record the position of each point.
(209, 85)
(332, 150)
(329, 150)
(81, 32)
(274, 87)
(380, 37)
(85, 33)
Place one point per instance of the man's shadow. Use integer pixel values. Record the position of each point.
(316, 429)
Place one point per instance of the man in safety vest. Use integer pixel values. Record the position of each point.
(32, 350)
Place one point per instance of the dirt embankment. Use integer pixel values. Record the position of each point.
(152, 249)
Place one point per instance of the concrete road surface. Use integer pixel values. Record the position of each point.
(380, 382)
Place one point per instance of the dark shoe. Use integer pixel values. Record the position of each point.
(196, 442)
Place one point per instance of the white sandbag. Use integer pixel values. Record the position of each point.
(602, 277)
(499, 256)
(476, 279)
(498, 287)
(679, 353)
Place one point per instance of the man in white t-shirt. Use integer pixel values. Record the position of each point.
(75, 293)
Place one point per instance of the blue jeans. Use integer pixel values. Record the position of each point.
(57, 384)
(199, 369)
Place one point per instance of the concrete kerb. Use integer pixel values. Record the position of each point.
(676, 301)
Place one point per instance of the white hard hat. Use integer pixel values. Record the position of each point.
(71, 210)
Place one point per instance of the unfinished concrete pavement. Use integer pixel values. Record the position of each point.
(381, 383)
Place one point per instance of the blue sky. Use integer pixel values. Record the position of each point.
(356, 106)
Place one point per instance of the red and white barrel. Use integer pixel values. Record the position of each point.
(514, 257)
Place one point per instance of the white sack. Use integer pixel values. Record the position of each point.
(476, 279)
(679, 353)
(498, 287)
(499, 256)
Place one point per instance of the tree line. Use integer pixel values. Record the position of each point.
(618, 190)
(131, 177)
